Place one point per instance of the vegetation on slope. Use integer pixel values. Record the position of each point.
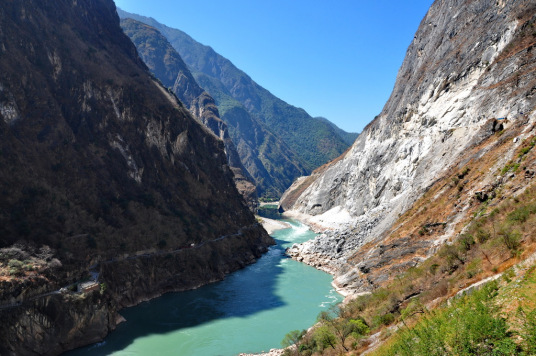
(168, 67)
(474, 324)
(348, 137)
(268, 159)
(161, 59)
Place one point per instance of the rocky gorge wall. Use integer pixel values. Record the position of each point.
(104, 172)
(275, 141)
(469, 62)
(49, 322)
(167, 65)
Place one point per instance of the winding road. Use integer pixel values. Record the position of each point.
(95, 274)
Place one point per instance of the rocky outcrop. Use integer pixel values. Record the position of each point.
(469, 70)
(56, 323)
(103, 170)
(166, 64)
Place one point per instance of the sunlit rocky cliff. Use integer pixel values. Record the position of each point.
(468, 73)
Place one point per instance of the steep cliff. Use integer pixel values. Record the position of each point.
(167, 66)
(470, 62)
(105, 171)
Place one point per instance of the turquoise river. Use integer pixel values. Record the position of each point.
(250, 311)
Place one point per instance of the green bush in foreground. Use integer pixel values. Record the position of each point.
(471, 325)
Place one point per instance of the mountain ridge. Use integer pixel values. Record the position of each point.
(312, 141)
(457, 76)
(166, 64)
(348, 137)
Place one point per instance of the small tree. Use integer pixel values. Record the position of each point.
(511, 239)
(341, 328)
(324, 338)
(292, 339)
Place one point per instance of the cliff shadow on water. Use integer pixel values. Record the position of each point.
(242, 294)
(240, 310)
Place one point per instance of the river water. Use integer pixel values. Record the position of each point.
(250, 311)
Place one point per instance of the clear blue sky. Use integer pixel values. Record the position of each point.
(336, 59)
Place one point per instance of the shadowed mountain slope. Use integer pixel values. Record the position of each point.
(103, 169)
(167, 66)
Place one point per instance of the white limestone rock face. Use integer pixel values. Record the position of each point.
(460, 71)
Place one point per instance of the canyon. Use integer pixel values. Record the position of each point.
(277, 142)
(133, 158)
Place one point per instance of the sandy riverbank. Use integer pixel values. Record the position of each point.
(271, 225)
(263, 203)
(334, 219)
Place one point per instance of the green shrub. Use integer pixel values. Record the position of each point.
(383, 319)
(526, 150)
(360, 327)
(470, 326)
(508, 275)
(103, 287)
(528, 330)
(466, 242)
(324, 338)
(473, 268)
(482, 235)
(16, 272)
(521, 214)
(28, 267)
(510, 167)
(14, 263)
(510, 238)
(452, 256)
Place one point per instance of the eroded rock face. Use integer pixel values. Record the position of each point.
(276, 142)
(133, 280)
(468, 63)
(103, 170)
(56, 323)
